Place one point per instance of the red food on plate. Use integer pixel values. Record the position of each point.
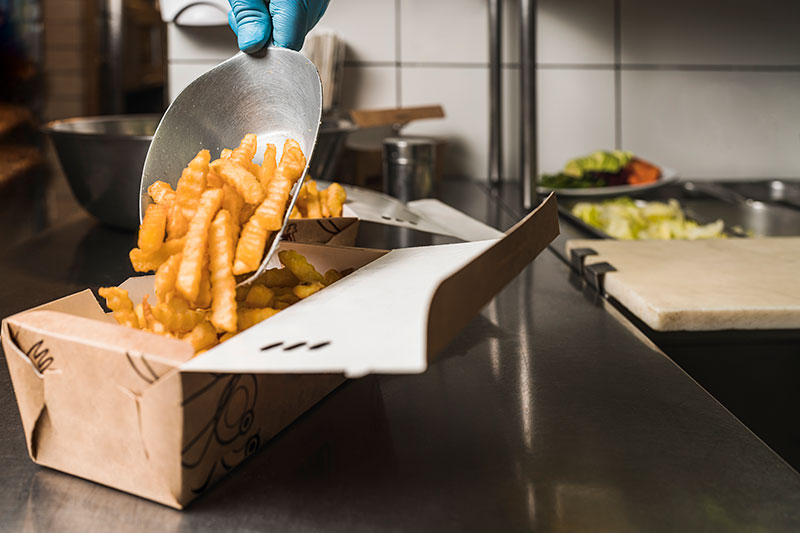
(639, 172)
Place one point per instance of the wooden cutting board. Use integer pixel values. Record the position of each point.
(705, 285)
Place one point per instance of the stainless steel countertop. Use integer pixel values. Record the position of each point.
(548, 412)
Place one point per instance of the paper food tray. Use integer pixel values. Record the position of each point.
(136, 412)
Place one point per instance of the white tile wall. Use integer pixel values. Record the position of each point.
(575, 114)
(369, 87)
(449, 31)
(465, 93)
(575, 31)
(740, 32)
(367, 26)
(715, 124)
(710, 88)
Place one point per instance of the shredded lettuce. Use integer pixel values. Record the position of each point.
(623, 218)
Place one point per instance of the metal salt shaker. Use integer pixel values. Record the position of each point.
(408, 167)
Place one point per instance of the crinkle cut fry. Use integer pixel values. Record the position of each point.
(190, 187)
(240, 178)
(269, 215)
(153, 228)
(119, 302)
(223, 284)
(190, 270)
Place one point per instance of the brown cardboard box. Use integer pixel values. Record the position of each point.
(136, 412)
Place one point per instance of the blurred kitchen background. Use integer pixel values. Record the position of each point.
(709, 88)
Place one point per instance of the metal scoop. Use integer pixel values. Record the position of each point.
(276, 94)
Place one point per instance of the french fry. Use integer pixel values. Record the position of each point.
(280, 306)
(268, 166)
(226, 337)
(166, 275)
(233, 203)
(153, 228)
(244, 153)
(190, 187)
(203, 300)
(121, 305)
(310, 199)
(336, 197)
(223, 285)
(295, 213)
(240, 178)
(153, 325)
(250, 317)
(323, 204)
(143, 262)
(213, 181)
(139, 310)
(304, 290)
(285, 295)
(331, 277)
(241, 293)
(161, 193)
(195, 249)
(202, 337)
(175, 315)
(300, 267)
(225, 153)
(247, 211)
(277, 277)
(259, 296)
(269, 215)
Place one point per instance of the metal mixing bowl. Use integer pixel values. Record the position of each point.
(102, 158)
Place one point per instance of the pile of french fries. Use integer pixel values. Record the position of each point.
(315, 203)
(214, 226)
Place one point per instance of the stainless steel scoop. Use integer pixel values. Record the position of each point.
(276, 94)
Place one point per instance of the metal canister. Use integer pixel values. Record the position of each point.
(409, 165)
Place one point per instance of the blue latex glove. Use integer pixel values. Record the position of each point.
(285, 21)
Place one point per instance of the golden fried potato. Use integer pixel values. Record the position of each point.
(121, 305)
(269, 166)
(144, 262)
(277, 277)
(250, 317)
(259, 296)
(240, 178)
(176, 316)
(190, 187)
(331, 277)
(196, 247)
(336, 197)
(223, 285)
(162, 193)
(153, 228)
(305, 290)
(202, 337)
(300, 267)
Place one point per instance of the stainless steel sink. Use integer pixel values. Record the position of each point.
(749, 209)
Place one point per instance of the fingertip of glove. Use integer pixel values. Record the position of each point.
(251, 41)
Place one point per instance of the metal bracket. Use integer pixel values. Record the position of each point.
(595, 274)
(578, 258)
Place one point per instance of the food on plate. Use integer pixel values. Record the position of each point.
(624, 218)
(213, 226)
(603, 169)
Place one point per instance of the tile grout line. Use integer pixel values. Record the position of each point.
(618, 74)
(646, 67)
(398, 64)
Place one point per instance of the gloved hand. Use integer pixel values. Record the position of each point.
(286, 21)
